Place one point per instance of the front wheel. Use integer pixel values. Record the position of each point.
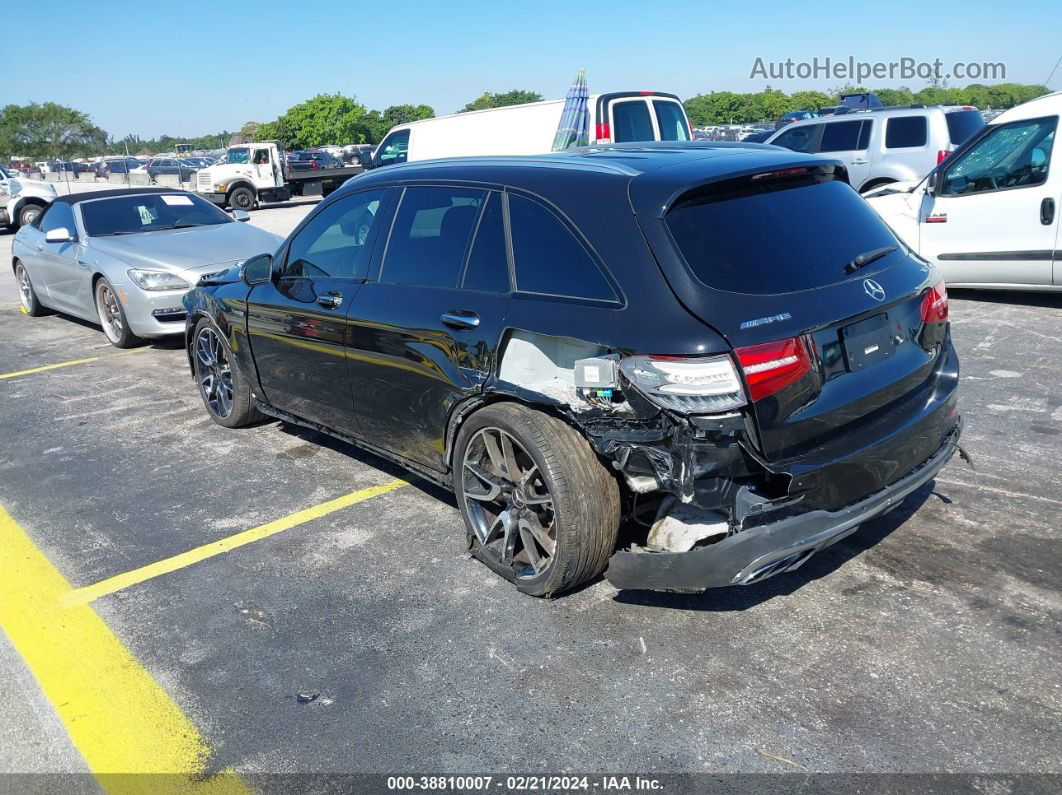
(112, 317)
(225, 393)
(28, 214)
(242, 199)
(26, 294)
(539, 507)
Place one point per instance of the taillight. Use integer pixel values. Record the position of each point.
(604, 133)
(942, 154)
(773, 366)
(313, 164)
(935, 305)
(690, 385)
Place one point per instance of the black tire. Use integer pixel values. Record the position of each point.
(241, 199)
(28, 214)
(584, 498)
(27, 296)
(112, 316)
(239, 409)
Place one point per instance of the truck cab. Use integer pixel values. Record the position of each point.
(251, 172)
(22, 199)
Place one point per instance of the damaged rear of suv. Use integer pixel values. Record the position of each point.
(722, 345)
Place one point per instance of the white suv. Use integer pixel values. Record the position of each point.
(22, 199)
(885, 144)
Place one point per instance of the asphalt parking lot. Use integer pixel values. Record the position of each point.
(359, 637)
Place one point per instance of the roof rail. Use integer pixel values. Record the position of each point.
(914, 106)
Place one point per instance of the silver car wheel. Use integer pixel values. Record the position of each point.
(213, 372)
(29, 216)
(109, 311)
(508, 503)
(25, 289)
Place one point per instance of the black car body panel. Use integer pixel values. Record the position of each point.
(393, 367)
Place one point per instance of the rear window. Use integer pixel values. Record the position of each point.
(962, 124)
(902, 132)
(842, 136)
(671, 120)
(777, 238)
(631, 122)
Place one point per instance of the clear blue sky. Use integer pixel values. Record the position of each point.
(192, 67)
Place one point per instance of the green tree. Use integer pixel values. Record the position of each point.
(376, 124)
(324, 119)
(895, 96)
(810, 100)
(488, 100)
(48, 130)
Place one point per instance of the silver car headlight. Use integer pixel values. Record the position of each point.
(157, 280)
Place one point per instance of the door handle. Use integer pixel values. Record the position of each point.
(330, 300)
(460, 319)
(1047, 211)
(860, 162)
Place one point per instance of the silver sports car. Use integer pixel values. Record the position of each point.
(124, 258)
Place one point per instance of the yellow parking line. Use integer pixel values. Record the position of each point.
(71, 363)
(117, 715)
(111, 585)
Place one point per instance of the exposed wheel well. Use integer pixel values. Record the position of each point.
(876, 183)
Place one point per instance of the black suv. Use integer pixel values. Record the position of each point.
(722, 343)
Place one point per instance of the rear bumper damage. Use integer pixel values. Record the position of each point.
(755, 553)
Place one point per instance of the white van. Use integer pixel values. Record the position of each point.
(619, 117)
(884, 145)
(988, 216)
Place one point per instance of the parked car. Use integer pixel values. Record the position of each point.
(887, 145)
(530, 129)
(170, 166)
(354, 154)
(796, 115)
(988, 215)
(123, 258)
(302, 161)
(22, 199)
(722, 340)
(122, 165)
(757, 137)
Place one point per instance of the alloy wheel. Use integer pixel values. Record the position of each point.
(110, 314)
(509, 503)
(25, 290)
(213, 372)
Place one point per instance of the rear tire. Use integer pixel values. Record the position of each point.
(112, 317)
(26, 294)
(242, 199)
(540, 509)
(225, 392)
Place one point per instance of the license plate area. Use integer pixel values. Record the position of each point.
(867, 342)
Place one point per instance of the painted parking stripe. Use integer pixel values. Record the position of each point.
(71, 363)
(117, 715)
(119, 582)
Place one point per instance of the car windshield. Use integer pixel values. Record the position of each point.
(238, 156)
(149, 212)
(794, 235)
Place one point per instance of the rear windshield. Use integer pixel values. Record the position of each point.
(777, 238)
(962, 124)
(671, 120)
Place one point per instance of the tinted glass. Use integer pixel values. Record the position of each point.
(488, 264)
(864, 134)
(797, 138)
(549, 258)
(631, 122)
(394, 149)
(126, 215)
(1014, 155)
(903, 131)
(335, 242)
(238, 156)
(840, 136)
(962, 124)
(59, 216)
(773, 239)
(430, 236)
(671, 120)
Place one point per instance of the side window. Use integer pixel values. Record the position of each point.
(906, 131)
(430, 236)
(334, 243)
(798, 138)
(394, 149)
(864, 134)
(549, 259)
(1015, 155)
(488, 263)
(59, 216)
(631, 122)
(261, 157)
(842, 136)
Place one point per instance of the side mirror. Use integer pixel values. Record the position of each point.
(241, 215)
(367, 160)
(60, 235)
(933, 181)
(257, 270)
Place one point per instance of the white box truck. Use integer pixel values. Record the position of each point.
(618, 117)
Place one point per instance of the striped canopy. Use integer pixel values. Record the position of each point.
(574, 127)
